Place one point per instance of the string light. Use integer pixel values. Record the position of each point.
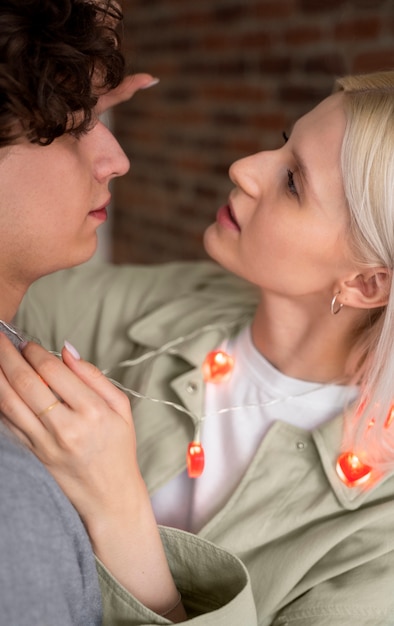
(351, 470)
(217, 367)
(170, 345)
(195, 459)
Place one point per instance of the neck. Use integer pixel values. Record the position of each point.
(303, 339)
(11, 297)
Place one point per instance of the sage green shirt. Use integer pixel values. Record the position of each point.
(317, 551)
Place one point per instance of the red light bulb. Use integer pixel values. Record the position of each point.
(351, 470)
(217, 366)
(195, 459)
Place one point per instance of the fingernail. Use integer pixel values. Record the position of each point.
(153, 82)
(73, 351)
(22, 345)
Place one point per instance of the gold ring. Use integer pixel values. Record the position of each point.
(49, 408)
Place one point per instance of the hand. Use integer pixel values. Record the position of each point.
(126, 90)
(87, 442)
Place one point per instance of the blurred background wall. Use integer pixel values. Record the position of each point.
(233, 75)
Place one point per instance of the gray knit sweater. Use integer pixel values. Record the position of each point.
(47, 569)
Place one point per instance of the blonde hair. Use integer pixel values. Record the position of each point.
(368, 175)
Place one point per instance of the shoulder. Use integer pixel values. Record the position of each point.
(80, 303)
(26, 484)
(134, 281)
(47, 563)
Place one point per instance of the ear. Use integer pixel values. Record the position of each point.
(367, 290)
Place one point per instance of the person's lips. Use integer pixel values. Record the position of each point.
(233, 216)
(100, 213)
(226, 217)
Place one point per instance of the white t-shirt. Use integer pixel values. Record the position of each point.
(259, 395)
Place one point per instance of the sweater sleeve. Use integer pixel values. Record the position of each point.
(214, 584)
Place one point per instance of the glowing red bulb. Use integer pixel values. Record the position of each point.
(217, 366)
(351, 470)
(195, 459)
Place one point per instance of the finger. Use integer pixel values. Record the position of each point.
(96, 380)
(58, 377)
(21, 420)
(126, 90)
(19, 434)
(19, 380)
(15, 412)
(83, 387)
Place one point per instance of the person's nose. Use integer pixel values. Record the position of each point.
(109, 161)
(246, 174)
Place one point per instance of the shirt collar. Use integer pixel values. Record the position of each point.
(328, 440)
(200, 323)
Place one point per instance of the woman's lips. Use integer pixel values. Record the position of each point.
(225, 217)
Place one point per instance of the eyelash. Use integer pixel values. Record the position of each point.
(290, 183)
(290, 174)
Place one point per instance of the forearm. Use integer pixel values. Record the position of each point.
(128, 543)
(87, 442)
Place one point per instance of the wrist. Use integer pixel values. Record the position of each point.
(127, 541)
(124, 514)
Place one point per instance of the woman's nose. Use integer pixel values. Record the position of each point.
(245, 174)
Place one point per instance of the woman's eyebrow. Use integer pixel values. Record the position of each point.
(302, 167)
(304, 172)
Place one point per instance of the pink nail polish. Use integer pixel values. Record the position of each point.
(73, 351)
(151, 84)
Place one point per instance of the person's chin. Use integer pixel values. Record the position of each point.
(88, 256)
(84, 255)
(208, 240)
(214, 247)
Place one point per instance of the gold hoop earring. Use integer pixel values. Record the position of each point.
(335, 311)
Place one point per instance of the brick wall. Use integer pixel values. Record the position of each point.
(234, 74)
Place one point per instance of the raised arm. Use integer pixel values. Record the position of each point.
(56, 406)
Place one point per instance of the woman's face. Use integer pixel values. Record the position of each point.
(284, 228)
(53, 198)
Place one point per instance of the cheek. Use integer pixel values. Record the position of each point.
(269, 236)
(294, 242)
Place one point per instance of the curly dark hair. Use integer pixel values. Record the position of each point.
(56, 58)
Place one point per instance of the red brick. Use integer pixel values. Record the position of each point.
(302, 35)
(275, 64)
(374, 60)
(302, 92)
(234, 93)
(272, 9)
(366, 28)
(330, 63)
(317, 6)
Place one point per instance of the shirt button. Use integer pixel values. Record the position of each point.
(191, 387)
(300, 445)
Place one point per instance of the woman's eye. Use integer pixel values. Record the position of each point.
(291, 184)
